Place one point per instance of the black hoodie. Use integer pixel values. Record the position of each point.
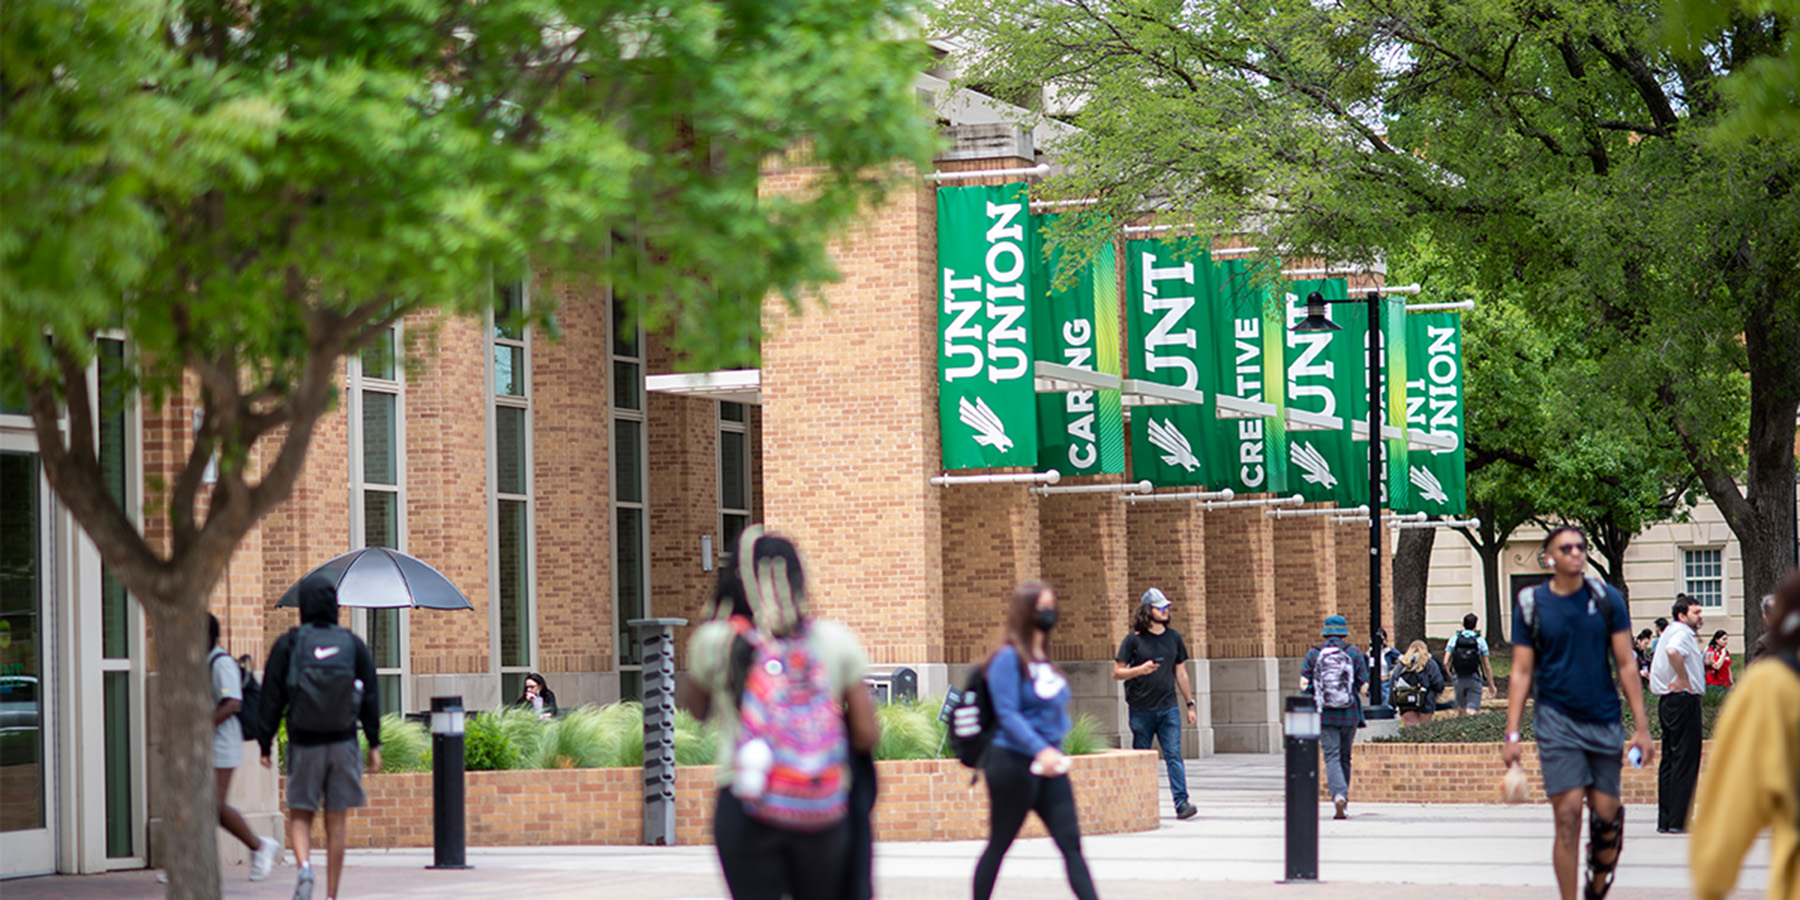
(318, 609)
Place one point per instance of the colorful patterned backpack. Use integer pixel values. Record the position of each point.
(787, 704)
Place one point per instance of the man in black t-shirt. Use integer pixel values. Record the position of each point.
(1152, 662)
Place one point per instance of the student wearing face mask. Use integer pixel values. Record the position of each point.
(1025, 767)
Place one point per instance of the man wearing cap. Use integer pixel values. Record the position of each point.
(1334, 672)
(1152, 662)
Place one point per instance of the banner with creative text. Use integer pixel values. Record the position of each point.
(1077, 325)
(1172, 340)
(987, 402)
(1250, 455)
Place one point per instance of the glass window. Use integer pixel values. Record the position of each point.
(509, 370)
(381, 519)
(1703, 571)
(115, 612)
(625, 336)
(21, 600)
(734, 475)
(515, 614)
(378, 357)
(509, 305)
(731, 412)
(628, 463)
(627, 386)
(630, 542)
(116, 698)
(509, 449)
(379, 438)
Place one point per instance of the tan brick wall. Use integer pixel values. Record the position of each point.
(920, 800)
(684, 504)
(1463, 773)
(312, 526)
(850, 429)
(991, 544)
(1305, 581)
(1169, 551)
(1352, 541)
(1240, 584)
(572, 456)
(1083, 543)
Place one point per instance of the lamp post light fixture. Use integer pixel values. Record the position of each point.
(1300, 724)
(1316, 321)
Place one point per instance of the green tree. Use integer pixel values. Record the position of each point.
(1560, 151)
(249, 192)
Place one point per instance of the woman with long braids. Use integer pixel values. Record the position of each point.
(1025, 767)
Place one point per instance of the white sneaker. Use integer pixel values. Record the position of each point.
(262, 859)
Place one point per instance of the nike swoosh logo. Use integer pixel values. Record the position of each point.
(325, 652)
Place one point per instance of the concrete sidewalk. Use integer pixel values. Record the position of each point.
(1233, 849)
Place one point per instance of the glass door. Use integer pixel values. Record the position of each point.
(27, 756)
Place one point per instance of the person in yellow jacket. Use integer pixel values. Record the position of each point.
(1751, 777)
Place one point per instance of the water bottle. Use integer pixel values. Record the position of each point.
(1637, 757)
(753, 762)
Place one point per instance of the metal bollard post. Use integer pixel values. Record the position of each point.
(1300, 722)
(448, 833)
(659, 728)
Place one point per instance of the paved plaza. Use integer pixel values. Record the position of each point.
(1233, 849)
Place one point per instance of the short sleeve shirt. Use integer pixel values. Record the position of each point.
(1572, 671)
(709, 656)
(1155, 691)
(228, 736)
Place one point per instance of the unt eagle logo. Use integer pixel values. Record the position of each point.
(1174, 444)
(989, 430)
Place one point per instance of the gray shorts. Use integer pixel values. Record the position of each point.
(1578, 754)
(1468, 691)
(332, 771)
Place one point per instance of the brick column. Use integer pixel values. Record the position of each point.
(1306, 583)
(1170, 548)
(1242, 597)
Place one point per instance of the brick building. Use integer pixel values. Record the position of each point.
(564, 497)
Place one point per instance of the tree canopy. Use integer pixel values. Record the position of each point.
(1560, 152)
(249, 191)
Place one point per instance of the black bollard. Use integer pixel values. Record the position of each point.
(448, 834)
(1300, 722)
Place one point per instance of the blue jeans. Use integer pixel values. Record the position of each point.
(1165, 726)
(1336, 742)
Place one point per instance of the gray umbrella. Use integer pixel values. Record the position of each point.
(379, 578)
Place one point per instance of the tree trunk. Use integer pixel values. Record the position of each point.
(1412, 576)
(1497, 623)
(183, 781)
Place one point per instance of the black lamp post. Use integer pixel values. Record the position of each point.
(1315, 321)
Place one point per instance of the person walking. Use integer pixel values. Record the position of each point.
(1466, 658)
(321, 678)
(1152, 661)
(784, 690)
(228, 752)
(1024, 767)
(1334, 672)
(1563, 630)
(1751, 781)
(1718, 664)
(1677, 678)
(1416, 684)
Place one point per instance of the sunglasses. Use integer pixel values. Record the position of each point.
(1571, 548)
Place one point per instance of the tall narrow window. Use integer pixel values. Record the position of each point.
(511, 477)
(1703, 574)
(116, 615)
(734, 474)
(377, 489)
(630, 501)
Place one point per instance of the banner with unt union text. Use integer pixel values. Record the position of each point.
(987, 401)
(1172, 340)
(1077, 325)
(1434, 404)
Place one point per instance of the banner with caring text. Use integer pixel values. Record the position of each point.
(1079, 432)
(1434, 404)
(1250, 455)
(1172, 338)
(1325, 372)
(987, 402)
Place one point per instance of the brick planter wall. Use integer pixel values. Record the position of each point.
(1462, 773)
(920, 800)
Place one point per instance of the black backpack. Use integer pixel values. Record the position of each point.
(324, 694)
(1465, 657)
(249, 714)
(972, 719)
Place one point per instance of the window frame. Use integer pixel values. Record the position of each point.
(630, 673)
(509, 672)
(357, 384)
(1687, 563)
(740, 427)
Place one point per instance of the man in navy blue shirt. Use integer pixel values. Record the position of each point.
(1563, 631)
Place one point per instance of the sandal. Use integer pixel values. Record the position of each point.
(1603, 836)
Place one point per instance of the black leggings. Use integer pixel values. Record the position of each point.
(762, 862)
(1012, 792)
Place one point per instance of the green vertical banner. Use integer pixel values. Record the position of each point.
(1396, 490)
(1079, 432)
(1171, 338)
(1326, 371)
(1434, 404)
(987, 404)
(1241, 447)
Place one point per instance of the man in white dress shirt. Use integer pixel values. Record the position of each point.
(1677, 678)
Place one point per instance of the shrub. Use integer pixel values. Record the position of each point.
(910, 730)
(696, 742)
(1083, 737)
(485, 745)
(1490, 727)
